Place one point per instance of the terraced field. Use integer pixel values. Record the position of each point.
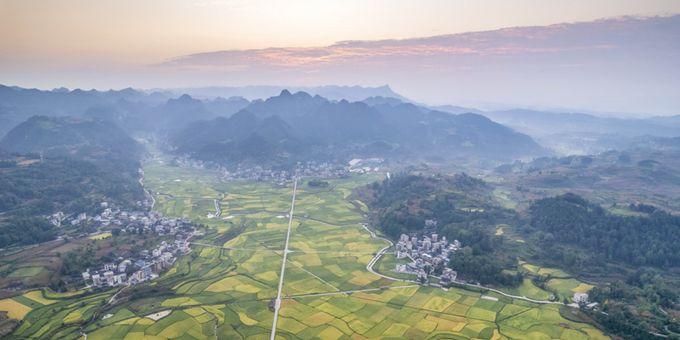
(224, 288)
(560, 284)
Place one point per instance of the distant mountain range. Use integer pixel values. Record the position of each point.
(294, 127)
(579, 133)
(155, 109)
(18, 104)
(381, 122)
(331, 92)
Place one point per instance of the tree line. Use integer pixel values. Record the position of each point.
(652, 240)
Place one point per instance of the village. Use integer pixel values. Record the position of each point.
(429, 256)
(305, 169)
(147, 266)
(148, 263)
(316, 169)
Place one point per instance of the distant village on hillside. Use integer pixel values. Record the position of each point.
(303, 169)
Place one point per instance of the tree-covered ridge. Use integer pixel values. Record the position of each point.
(25, 230)
(569, 219)
(405, 201)
(63, 184)
(644, 301)
(463, 209)
(31, 188)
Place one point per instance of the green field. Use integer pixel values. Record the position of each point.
(26, 271)
(225, 293)
(387, 264)
(101, 236)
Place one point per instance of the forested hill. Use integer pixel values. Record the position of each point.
(652, 240)
(63, 164)
(424, 197)
(463, 209)
(29, 186)
(59, 162)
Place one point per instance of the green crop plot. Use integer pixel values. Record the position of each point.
(567, 287)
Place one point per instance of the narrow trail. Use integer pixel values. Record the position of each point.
(347, 292)
(218, 210)
(314, 275)
(147, 192)
(543, 302)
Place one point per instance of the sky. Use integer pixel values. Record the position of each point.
(119, 43)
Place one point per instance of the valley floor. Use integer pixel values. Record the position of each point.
(226, 287)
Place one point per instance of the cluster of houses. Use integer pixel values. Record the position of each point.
(363, 166)
(148, 263)
(428, 255)
(282, 176)
(127, 221)
(304, 169)
(256, 173)
(132, 271)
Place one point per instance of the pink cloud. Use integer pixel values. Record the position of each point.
(510, 41)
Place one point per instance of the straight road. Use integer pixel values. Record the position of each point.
(277, 304)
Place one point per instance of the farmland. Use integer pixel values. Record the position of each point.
(223, 288)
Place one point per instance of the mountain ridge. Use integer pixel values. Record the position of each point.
(309, 126)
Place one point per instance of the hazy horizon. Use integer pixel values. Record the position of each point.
(614, 57)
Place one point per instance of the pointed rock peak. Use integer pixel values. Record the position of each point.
(185, 97)
(285, 93)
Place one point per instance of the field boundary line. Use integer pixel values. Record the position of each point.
(314, 275)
